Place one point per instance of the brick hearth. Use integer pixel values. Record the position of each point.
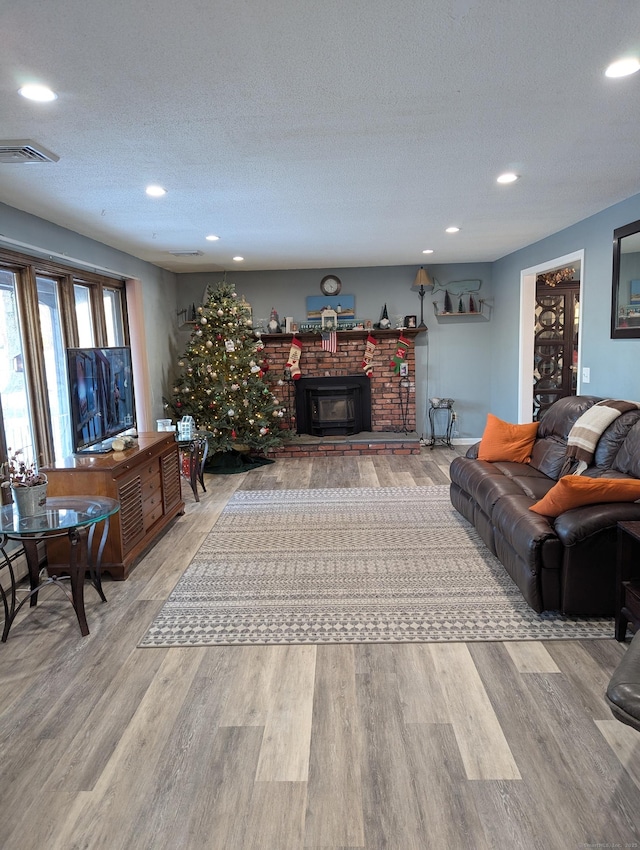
(393, 406)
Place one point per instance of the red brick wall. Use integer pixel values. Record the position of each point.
(390, 411)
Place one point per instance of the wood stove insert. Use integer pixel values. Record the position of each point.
(331, 406)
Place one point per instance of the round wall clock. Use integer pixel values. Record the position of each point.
(330, 285)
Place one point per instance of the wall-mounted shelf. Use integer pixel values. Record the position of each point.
(483, 314)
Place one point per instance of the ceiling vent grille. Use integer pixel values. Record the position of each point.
(186, 253)
(24, 150)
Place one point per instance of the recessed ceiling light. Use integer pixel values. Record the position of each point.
(212, 237)
(507, 177)
(238, 259)
(155, 191)
(452, 229)
(35, 91)
(428, 251)
(623, 67)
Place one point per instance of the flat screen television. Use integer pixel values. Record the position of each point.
(101, 395)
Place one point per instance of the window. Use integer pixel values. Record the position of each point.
(13, 388)
(113, 312)
(55, 365)
(46, 308)
(82, 297)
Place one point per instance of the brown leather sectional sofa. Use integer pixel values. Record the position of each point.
(564, 564)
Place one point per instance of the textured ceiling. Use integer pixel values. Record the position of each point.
(320, 133)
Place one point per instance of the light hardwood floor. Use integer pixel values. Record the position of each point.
(479, 745)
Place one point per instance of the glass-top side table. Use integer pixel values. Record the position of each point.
(73, 516)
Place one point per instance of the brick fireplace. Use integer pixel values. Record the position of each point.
(393, 408)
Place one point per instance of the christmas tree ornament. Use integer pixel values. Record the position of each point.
(204, 320)
(221, 312)
(369, 351)
(209, 344)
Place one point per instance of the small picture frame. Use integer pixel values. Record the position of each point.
(410, 321)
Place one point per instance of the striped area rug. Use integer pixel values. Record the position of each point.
(372, 565)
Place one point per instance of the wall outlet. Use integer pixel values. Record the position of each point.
(586, 374)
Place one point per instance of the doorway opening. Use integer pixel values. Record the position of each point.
(528, 320)
(555, 351)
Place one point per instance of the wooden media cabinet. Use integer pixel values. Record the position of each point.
(144, 479)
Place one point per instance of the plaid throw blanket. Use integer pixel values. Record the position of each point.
(587, 430)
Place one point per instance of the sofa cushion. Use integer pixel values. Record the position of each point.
(628, 458)
(560, 418)
(572, 491)
(613, 438)
(505, 441)
(550, 448)
(548, 456)
(530, 535)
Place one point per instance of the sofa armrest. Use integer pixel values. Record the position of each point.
(473, 450)
(575, 525)
(623, 691)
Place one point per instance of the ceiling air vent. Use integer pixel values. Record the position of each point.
(25, 150)
(186, 253)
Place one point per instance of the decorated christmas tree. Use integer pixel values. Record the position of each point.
(222, 379)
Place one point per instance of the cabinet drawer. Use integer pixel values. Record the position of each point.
(151, 486)
(152, 511)
(149, 469)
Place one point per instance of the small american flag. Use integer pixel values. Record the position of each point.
(329, 341)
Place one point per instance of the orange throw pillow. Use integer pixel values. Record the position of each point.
(572, 491)
(504, 441)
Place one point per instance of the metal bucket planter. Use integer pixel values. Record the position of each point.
(30, 501)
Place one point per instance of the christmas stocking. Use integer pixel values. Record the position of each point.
(368, 355)
(401, 353)
(294, 358)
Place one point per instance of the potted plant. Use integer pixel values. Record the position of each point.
(28, 486)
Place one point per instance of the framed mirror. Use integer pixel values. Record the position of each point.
(625, 295)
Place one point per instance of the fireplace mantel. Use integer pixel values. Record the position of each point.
(356, 333)
(393, 407)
